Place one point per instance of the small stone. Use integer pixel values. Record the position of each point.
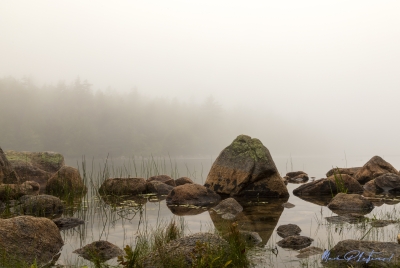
(295, 242)
(99, 250)
(309, 251)
(67, 223)
(288, 205)
(288, 230)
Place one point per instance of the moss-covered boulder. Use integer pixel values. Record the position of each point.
(7, 173)
(26, 239)
(246, 169)
(66, 181)
(35, 166)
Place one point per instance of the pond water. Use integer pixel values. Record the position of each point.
(120, 223)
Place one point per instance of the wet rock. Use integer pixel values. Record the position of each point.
(123, 186)
(158, 188)
(29, 238)
(163, 178)
(251, 238)
(246, 168)
(186, 210)
(295, 242)
(67, 180)
(349, 171)
(288, 205)
(193, 194)
(15, 191)
(388, 181)
(229, 205)
(388, 252)
(7, 172)
(309, 251)
(99, 250)
(371, 188)
(297, 177)
(183, 180)
(67, 223)
(182, 251)
(329, 186)
(288, 230)
(349, 218)
(374, 168)
(350, 202)
(41, 205)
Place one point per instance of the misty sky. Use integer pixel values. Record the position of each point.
(333, 66)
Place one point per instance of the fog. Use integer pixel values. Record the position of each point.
(187, 77)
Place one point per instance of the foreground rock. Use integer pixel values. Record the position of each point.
(374, 168)
(288, 230)
(41, 205)
(66, 180)
(296, 177)
(163, 178)
(158, 188)
(349, 171)
(363, 253)
(99, 251)
(183, 180)
(7, 173)
(329, 186)
(193, 194)
(229, 205)
(28, 239)
(295, 242)
(183, 251)
(245, 168)
(67, 223)
(350, 202)
(123, 186)
(15, 191)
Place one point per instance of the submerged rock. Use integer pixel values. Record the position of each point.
(295, 242)
(123, 186)
(357, 252)
(163, 178)
(193, 194)
(288, 205)
(100, 251)
(251, 238)
(309, 251)
(27, 238)
(229, 205)
(382, 223)
(288, 230)
(183, 180)
(374, 168)
(245, 168)
(66, 181)
(186, 210)
(350, 202)
(67, 223)
(349, 218)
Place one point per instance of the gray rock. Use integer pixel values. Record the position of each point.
(67, 223)
(295, 242)
(388, 181)
(99, 250)
(288, 230)
(41, 205)
(246, 169)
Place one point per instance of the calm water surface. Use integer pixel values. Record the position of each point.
(121, 223)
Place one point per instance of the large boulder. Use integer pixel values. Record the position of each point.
(350, 202)
(193, 194)
(363, 253)
(123, 186)
(329, 186)
(41, 205)
(349, 171)
(66, 180)
(246, 169)
(7, 173)
(374, 168)
(27, 239)
(163, 178)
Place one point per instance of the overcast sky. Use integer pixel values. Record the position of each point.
(332, 65)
